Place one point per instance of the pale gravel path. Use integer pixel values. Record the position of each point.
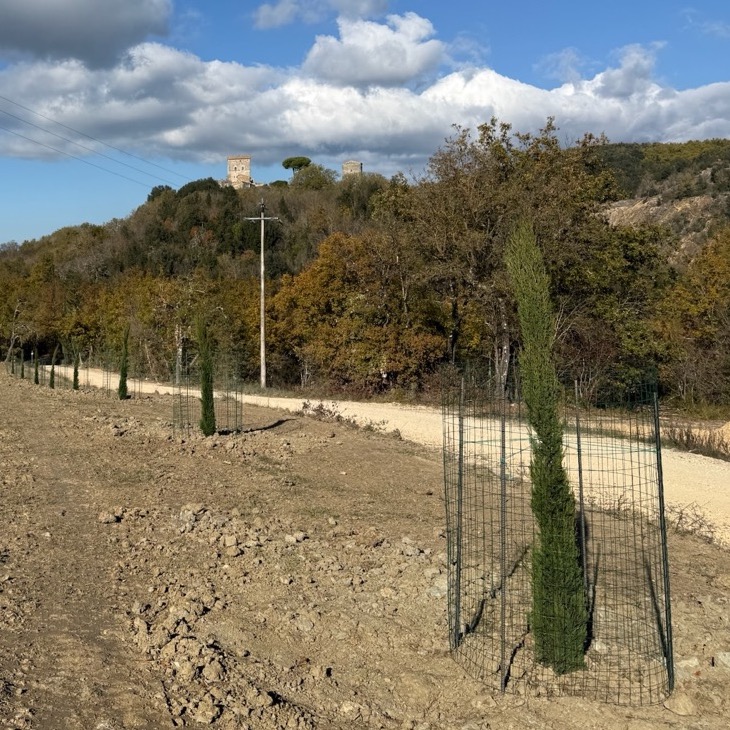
(690, 480)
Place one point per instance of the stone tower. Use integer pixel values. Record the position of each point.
(351, 167)
(239, 171)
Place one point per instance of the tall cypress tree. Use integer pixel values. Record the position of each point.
(559, 617)
(205, 354)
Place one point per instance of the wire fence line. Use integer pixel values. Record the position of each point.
(613, 459)
(102, 374)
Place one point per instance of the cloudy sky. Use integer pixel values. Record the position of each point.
(100, 100)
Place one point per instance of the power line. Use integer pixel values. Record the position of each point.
(93, 139)
(84, 147)
(75, 157)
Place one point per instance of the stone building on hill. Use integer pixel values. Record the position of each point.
(239, 171)
(351, 167)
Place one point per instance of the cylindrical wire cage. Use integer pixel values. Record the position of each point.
(612, 455)
(187, 404)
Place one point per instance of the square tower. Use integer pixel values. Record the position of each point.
(239, 171)
(351, 167)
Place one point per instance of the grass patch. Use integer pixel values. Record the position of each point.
(705, 441)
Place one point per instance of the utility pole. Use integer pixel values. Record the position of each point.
(262, 217)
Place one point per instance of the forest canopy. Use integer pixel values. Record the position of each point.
(373, 284)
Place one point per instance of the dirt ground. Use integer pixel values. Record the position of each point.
(290, 576)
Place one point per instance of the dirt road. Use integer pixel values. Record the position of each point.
(696, 486)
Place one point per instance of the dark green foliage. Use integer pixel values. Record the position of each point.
(314, 177)
(157, 191)
(124, 367)
(357, 193)
(197, 186)
(674, 169)
(36, 378)
(22, 366)
(207, 405)
(296, 163)
(559, 618)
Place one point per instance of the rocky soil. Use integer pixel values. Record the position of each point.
(290, 576)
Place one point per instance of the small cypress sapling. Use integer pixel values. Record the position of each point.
(52, 379)
(559, 617)
(123, 367)
(207, 418)
(22, 365)
(75, 384)
(36, 375)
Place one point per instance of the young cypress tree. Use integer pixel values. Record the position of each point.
(75, 384)
(22, 365)
(559, 617)
(52, 379)
(36, 376)
(123, 367)
(205, 354)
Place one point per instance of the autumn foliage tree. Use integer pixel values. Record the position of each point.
(693, 323)
(344, 319)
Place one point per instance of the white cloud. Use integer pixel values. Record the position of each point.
(93, 31)
(370, 54)
(359, 8)
(161, 102)
(274, 16)
(563, 66)
(285, 12)
(632, 77)
(706, 26)
(717, 28)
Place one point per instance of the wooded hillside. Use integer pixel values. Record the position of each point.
(372, 284)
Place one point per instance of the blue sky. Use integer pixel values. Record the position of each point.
(100, 100)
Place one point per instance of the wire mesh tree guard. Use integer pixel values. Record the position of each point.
(612, 454)
(184, 374)
(187, 404)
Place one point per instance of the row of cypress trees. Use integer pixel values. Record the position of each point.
(52, 376)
